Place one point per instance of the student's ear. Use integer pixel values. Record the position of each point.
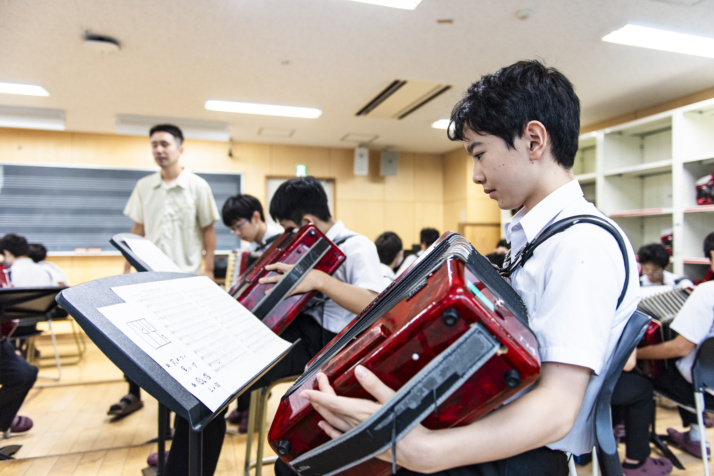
(307, 219)
(256, 216)
(537, 139)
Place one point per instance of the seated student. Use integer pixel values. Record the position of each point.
(694, 323)
(38, 253)
(520, 127)
(499, 254)
(654, 259)
(633, 399)
(17, 376)
(389, 249)
(243, 214)
(350, 289)
(427, 236)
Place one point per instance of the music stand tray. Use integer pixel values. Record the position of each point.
(83, 301)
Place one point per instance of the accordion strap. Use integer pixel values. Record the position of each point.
(509, 266)
(410, 405)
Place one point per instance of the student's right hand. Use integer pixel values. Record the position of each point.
(310, 282)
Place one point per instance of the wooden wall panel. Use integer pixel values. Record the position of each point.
(368, 204)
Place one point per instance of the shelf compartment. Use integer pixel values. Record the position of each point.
(648, 212)
(627, 193)
(585, 159)
(697, 131)
(696, 226)
(648, 141)
(586, 178)
(693, 171)
(642, 170)
(644, 229)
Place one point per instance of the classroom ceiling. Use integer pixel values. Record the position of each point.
(334, 55)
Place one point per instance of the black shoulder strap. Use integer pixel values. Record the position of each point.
(342, 239)
(509, 266)
(267, 242)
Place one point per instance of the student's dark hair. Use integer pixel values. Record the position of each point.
(15, 244)
(171, 129)
(239, 207)
(653, 253)
(298, 197)
(503, 243)
(708, 245)
(388, 246)
(428, 236)
(37, 252)
(503, 103)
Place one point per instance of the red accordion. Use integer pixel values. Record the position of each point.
(306, 248)
(448, 291)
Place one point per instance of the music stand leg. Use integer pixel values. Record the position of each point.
(195, 453)
(163, 425)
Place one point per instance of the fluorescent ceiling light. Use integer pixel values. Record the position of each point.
(132, 125)
(31, 118)
(25, 89)
(441, 124)
(263, 109)
(403, 4)
(645, 37)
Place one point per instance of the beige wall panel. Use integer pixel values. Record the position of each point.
(283, 160)
(340, 163)
(253, 160)
(26, 146)
(457, 175)
(428, 177)
(483, 210)
(483, 237)
(455, 212)
(358, 187)
(80, 269)
(111, 150)
(428, 215)
(365, 217)
(399, 217)
(401, 186)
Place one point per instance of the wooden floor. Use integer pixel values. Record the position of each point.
(74, 436)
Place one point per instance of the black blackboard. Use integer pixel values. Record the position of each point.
(66, 208)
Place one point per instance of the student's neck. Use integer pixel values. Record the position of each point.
(324, 226)
(262, 228)
(171, 173)
(551, 180)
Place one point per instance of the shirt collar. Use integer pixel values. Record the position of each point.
(335, 231)
(524, 227)
(181, 180)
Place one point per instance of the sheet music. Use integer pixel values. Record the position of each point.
(152, 255)
(198, 333)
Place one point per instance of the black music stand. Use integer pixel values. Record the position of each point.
(84, 300)
(25, 303)
(119, 241)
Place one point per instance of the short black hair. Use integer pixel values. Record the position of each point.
(15, 244)
(388, 246)
(503, 243)
(653, 253)
(428, 236)
(37, 252)
(708, 245)
(298, 197)
(502, 104)
(240, 206)
(171, 129)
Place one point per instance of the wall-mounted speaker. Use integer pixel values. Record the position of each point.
(390, 164)
(361, 161)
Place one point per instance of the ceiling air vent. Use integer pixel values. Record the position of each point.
(401, 98)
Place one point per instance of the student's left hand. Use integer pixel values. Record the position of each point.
(310, 282)
(342, 413)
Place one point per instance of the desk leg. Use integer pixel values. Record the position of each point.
(195, 453)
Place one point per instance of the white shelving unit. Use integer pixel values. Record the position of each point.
(643, 173)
